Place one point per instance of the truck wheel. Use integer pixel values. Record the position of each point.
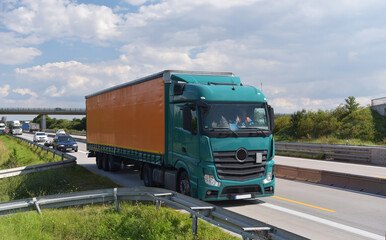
(184, 183)
(111, 163)
(105, 162)
(98, 160)
(147, 173)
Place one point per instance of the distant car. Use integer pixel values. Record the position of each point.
(64, 143)
(40, 137)
(60, 132)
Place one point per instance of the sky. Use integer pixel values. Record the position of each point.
(303, 54)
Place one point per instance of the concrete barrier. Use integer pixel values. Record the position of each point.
(343, 180)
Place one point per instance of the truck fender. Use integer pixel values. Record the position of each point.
(180, 165)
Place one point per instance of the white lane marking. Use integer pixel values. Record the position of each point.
(325, 221)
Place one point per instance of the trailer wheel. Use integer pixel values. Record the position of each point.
(105, 162)
(147, 173)
(184, 183)
(98, 159)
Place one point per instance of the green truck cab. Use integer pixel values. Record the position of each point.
(221, 134)
(218, 142)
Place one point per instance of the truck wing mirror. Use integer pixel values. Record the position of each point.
(202, 104)
(186, 118)
(271, 117)
(179, 88)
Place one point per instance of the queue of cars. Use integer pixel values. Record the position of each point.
(61, 142)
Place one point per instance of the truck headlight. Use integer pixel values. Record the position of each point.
(268, 178)
(75, 145)
(210, 180)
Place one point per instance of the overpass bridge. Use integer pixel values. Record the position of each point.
(379, 105)
(44, 112)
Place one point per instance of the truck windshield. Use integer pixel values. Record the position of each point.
(247, 119)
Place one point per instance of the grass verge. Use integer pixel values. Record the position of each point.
(136, 221)
(55, 181)
(16, 153)
(334, 140)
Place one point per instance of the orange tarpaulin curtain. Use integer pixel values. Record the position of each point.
(130, 117)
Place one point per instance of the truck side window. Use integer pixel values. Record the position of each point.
(194, 121)
(189, 119)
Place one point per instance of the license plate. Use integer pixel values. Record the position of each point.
(259, 157)
(68, 149)
(245, 196)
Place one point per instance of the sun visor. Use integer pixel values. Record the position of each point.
(206, 79)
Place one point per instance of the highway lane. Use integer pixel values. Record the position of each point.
(329, 213)
(310, 210)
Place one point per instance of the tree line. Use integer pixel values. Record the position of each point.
(53, 123)
(348, 121)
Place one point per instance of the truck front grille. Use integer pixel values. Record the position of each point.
(228, 166)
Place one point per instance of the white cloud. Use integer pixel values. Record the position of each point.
(4, 91)
(137, 2)
(25, 91)
(286, 105)
(52, 91)
(62, 18)
(18, 55)
(69, 79)
(13, 52)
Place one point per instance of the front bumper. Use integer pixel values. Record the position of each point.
(68, 148)
(235, 190)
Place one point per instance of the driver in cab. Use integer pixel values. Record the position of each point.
(242, 120)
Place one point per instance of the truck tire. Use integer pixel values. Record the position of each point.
(105, 162)
(147, 174)
(112, 164)
(184, 183)
(98, 160)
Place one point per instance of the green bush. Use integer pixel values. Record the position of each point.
(358, 124)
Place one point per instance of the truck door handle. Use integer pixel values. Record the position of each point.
(184, 149)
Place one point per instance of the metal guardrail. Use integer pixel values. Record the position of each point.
(361, 154)
(247, 227)
(35, 168)
(66, 161)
